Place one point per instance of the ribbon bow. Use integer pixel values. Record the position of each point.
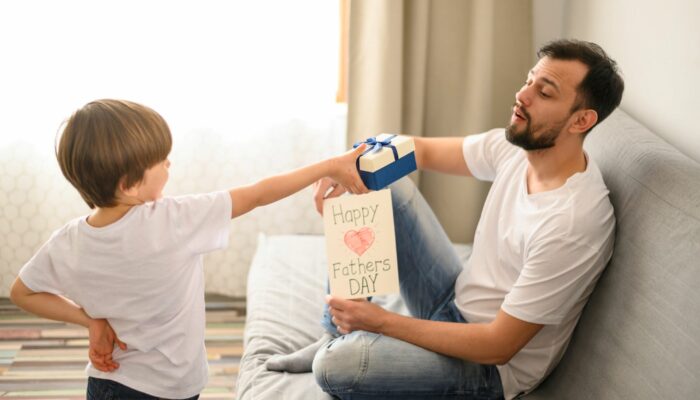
(375, 145)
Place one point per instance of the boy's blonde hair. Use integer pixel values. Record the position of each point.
(107, 140)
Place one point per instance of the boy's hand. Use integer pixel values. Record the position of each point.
(345, 171)
(102, 339)
(345, 178)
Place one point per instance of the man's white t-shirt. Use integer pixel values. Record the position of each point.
(536, 256)
(144, 274)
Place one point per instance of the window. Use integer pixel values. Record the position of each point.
(208, 64)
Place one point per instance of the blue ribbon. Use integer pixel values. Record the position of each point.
(374, 146)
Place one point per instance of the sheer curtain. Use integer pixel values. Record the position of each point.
(247, 87)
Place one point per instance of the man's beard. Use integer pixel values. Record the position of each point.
(527, 140)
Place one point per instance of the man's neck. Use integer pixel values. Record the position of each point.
(549, 169)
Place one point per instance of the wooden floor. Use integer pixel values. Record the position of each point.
(43, 359)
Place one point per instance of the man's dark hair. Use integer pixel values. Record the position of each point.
(602, 87)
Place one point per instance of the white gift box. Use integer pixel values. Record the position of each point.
(388, 158)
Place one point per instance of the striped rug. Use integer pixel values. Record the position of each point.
(43, 359)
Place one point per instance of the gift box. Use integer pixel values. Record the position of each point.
(387, 158)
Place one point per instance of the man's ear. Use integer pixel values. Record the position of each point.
(584, 120)
(130, 191)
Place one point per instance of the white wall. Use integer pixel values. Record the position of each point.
(657, 46)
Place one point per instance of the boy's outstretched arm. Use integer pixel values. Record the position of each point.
(57, 308)
(341, 169)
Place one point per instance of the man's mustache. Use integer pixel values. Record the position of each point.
(521, 110)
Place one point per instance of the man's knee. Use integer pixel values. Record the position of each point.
(339, 365)
(402, 192)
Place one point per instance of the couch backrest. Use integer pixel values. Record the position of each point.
(639, 335)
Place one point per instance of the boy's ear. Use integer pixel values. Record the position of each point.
(130, 191)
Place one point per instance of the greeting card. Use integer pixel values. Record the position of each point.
(360, 244)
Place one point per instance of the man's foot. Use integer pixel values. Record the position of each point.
(299, 361)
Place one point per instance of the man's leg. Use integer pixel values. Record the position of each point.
(365, 365)
(299, 361)
(428, 269)
(428, 262)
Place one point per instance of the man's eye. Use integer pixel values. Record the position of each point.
(544, 94)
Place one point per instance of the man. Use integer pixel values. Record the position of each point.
(496, 327)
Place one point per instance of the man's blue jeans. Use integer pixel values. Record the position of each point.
(364, 365)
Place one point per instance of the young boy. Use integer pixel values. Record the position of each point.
(136, 260)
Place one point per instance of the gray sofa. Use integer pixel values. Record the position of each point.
(638, 337)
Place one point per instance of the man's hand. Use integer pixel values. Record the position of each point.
(356, 315)
(102, 339)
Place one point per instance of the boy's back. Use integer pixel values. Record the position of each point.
(144, 273)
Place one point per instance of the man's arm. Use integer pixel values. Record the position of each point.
(487, 343)
(341, 169)
(58, 308)
(441, 155)
(435, 154)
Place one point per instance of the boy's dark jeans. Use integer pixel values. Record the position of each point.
(104, 389)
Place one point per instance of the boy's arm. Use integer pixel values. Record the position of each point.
(341, 169)
(48, 305)
(58, 308)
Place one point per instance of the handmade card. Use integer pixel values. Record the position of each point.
(361, 246)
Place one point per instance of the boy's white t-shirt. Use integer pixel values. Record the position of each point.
(536, 256)
(144, 274)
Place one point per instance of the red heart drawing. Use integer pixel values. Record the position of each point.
(359, 241)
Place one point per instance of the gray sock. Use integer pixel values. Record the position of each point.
(300, 360)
